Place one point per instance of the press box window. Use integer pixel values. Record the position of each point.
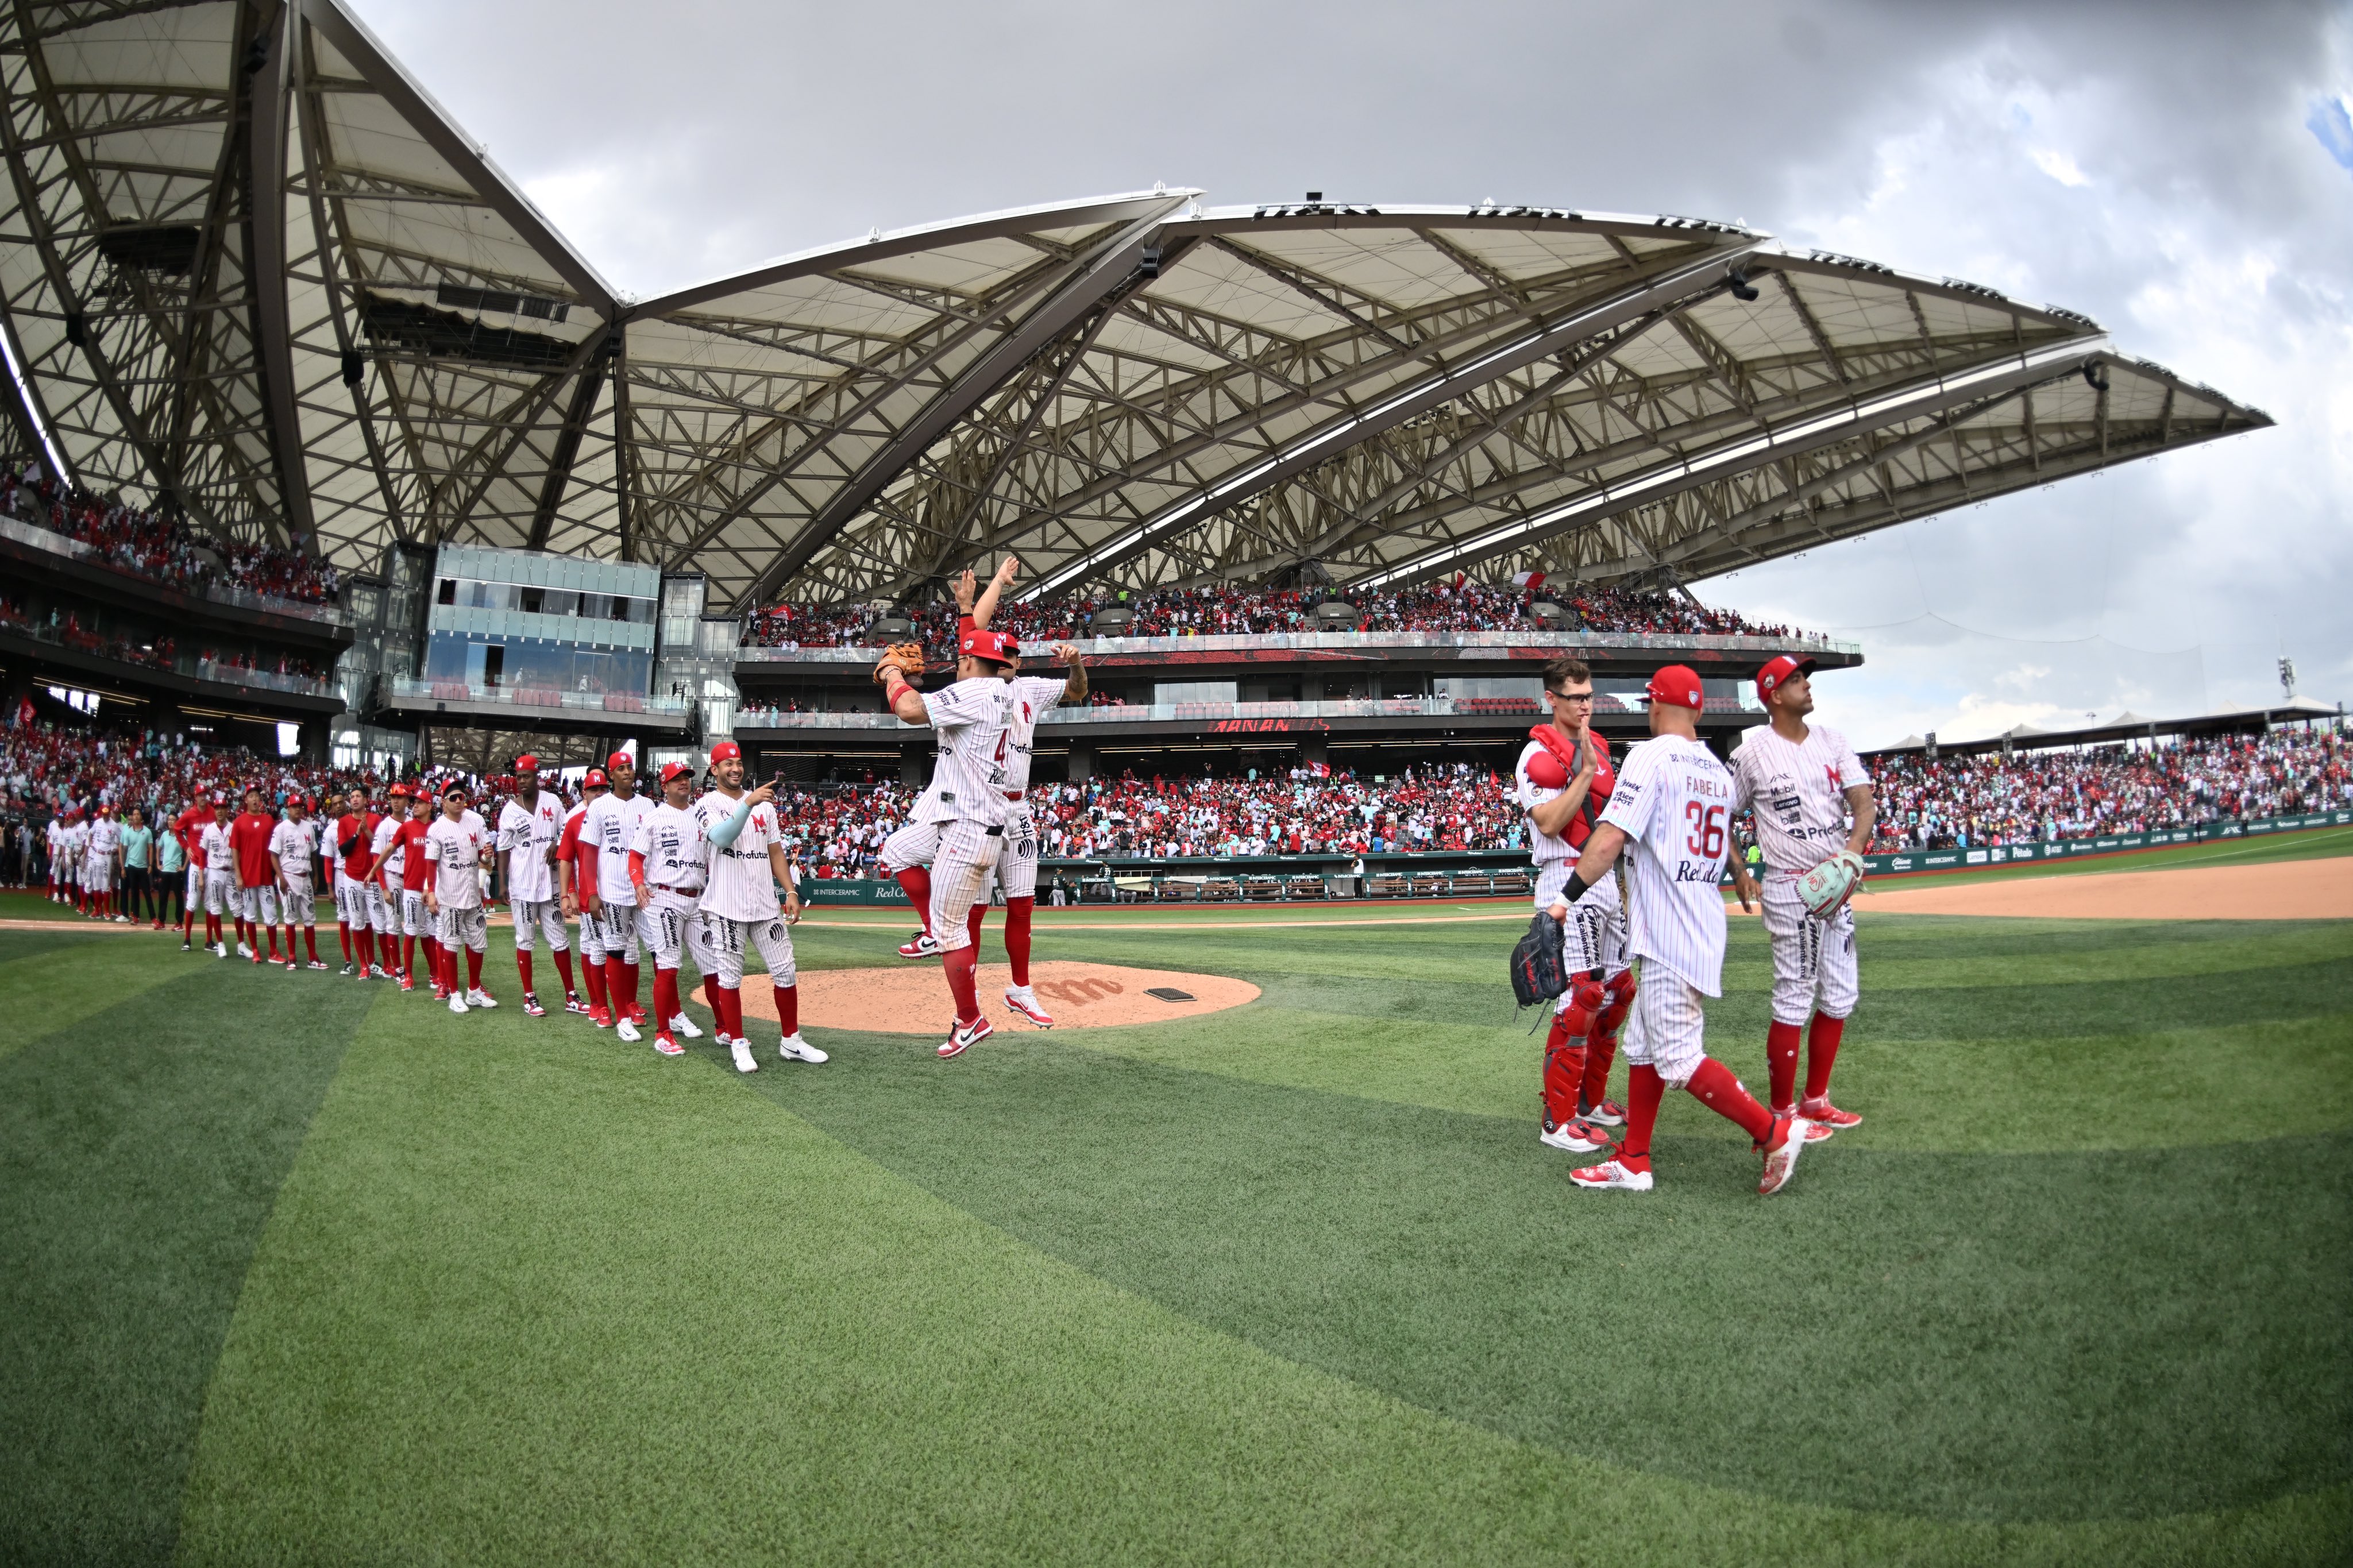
(448, 595)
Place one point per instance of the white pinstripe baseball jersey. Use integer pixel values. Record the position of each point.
(1034, 697)
(1673, 802)
(1798, 794)
(743, 886)
(968, 780)
(669, 840)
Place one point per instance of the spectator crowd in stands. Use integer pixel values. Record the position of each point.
(1965, 802)
(1233, 611)
(161, 548)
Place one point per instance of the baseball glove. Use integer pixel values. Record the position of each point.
(1830, 884)
(906, 657)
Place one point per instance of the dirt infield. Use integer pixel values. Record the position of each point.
(913, 999)
(2320, 889)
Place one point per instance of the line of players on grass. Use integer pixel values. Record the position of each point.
(1631, 860)
(669, 876)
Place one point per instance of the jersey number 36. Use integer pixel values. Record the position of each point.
(1706, 840)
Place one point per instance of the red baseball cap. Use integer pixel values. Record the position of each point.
(724, 750)
(526, 764)
(676, 771)
(1677, 686)
(596, 779)
(620, 760)
(998, 647)
(397, 791)
(455, 786)
(1770, 678)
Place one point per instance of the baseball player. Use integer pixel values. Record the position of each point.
(567, 863)
(666, 866)
(528, 825)
(1016, 869)
(406, 900)
(257, 878)
(608, 897)
(386, 880)
(739, 908)
(1671, 818)
(71, 842)
(1563, 783)
(294, 845)
(455, 846)
(354, 859)
(105, 848)
(969, 797)
(55, 833)
(1802, 783)
(220, 875)
(188, 827)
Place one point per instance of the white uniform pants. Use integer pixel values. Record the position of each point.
(97, 873)
(1814, 963)
(195, 900)
(725, 941)
(302, 908)
(969, 853)
(351, 900)
(1593, 937)
(1016, 869)
(534, 919)
(465, 928)
(378, 911)
(916, 844)
(1666, 1028)
(221, 894)
(415, 919)
(663, 922)
(258, 905)
(617, 932)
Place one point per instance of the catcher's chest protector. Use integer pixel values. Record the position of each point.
(1597, 801)
(1539, 971)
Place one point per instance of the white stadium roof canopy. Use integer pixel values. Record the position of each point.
(250, 268)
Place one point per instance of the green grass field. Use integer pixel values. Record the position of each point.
(297, 1270)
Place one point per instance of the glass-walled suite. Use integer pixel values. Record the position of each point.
(494, 664)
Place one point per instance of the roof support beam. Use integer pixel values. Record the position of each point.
(1810, 433)
(568, 447)
(1328, 440)
(265, 260)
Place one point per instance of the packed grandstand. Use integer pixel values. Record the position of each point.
(161, 547)
(836, 832)
(1236, 610)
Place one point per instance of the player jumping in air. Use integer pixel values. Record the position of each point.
(1671, 817)
(1802, 783)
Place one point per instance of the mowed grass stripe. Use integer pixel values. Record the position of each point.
(140, 1148)
(1941, 1335)
(49, 982)
(531, 1296)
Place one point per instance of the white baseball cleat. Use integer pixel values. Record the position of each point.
(220, 950)
(478, 998)
(1781, 1159)
(243, 951)
(793, 1049)
(627, 1030)
(1024, 1001)
(1577, 1137)
(744, 1060)
(684, 1028)
(1611, 1176)
(922, 944)
(457, 1001)
(961, 1039)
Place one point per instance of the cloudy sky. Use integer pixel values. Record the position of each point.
(2184, 174)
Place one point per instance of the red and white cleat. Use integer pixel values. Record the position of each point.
(1815, 1131)
(666, 1044)
(316, 963)
(636, 1014)
(291, 967)
(1611, 1176)
(1782, 1151)
(1024, 1001)
(601, 1018)
(963, 1037)
(1577, 1137)
(1608, 1113)
(922, 944)
(572, 1004)
(406, 984)
(531, 1007)
(1828, 1115)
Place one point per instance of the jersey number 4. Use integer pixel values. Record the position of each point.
(1706, 840)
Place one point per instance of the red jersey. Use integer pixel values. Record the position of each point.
(248, 836)
(356, 864)
(412, 864)
(567, 847)
(189, 829)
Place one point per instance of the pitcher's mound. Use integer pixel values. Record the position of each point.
(913, 999)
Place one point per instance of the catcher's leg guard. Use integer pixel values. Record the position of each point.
(1601, 1046)
(1565, 1048)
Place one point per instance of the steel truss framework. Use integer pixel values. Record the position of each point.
(250, 270)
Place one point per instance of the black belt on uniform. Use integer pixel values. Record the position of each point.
(997, 831)
(666, 888)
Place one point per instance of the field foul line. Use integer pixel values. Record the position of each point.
(1521, 915)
